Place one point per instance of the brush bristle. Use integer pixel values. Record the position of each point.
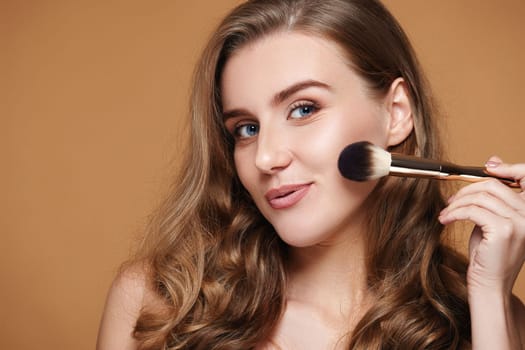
(363, 161)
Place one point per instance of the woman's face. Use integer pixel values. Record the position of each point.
(292, 104)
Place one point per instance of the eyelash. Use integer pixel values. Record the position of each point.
(302, 104)
(237, 130)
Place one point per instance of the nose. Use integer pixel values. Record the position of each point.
(273, 153)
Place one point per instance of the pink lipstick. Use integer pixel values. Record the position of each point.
(286, 196)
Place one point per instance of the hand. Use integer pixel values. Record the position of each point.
(497, 243)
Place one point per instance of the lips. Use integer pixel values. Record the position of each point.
(286, 196)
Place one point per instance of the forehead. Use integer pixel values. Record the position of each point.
(279, 60)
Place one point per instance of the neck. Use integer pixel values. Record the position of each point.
(330, 277)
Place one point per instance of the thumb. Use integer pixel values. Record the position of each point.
(496, 166)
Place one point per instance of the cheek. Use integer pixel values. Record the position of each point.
(330, 139)
(365, 125)
(243, 166)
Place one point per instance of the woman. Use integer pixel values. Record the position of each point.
(263, 245)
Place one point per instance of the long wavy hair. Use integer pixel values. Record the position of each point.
(217, 265)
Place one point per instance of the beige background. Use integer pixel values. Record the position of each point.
(91, 101)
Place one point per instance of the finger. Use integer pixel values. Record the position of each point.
(502, 232)
(484, 200)
(496, 166)
(498, 242)
(485, 218)
(494, 226)
(495, 189)
(495, 159)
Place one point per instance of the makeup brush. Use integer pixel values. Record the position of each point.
(362, 161)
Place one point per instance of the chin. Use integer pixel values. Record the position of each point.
(302, 238)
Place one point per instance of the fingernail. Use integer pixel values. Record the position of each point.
(492, 164)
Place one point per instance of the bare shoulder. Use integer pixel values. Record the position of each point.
(519, 312)
(124, 302)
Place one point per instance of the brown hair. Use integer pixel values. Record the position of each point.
(218, 265)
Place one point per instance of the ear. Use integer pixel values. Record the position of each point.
(399, 110)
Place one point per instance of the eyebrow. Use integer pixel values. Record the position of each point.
(289, 91)
(280, 96)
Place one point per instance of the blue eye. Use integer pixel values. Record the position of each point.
(303, 111)
(245, 131)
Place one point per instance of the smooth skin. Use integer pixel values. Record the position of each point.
(290, 124)
(497, 252)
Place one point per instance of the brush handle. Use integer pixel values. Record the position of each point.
(403, 165)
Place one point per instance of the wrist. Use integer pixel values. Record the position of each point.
(490, 296)
(491, 319)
